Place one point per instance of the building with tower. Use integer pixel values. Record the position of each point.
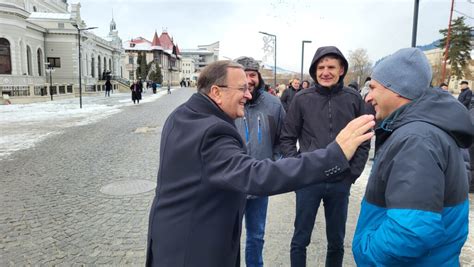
(39, 52)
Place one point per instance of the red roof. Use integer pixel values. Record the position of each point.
(156, 40)
(139, 40)
(166, 41)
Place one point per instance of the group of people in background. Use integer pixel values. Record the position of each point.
(240, 143)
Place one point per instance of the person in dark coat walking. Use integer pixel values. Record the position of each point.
(108, 87)
(136, 89)
(315, 117)
(466, 94)
(205, 173)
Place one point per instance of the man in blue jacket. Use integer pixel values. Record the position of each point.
(260, 129)
(315, 117)
(206, 173)
(415, 210)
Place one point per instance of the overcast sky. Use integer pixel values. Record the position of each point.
(379, 26)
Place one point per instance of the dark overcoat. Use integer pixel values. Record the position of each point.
(203, 179)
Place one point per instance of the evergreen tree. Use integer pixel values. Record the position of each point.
(142, 69)
(459, 50)
(155, 74)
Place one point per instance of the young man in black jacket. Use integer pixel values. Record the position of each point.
(314, 118)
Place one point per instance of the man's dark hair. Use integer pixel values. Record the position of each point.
(464, 82)
(443, 84)
(215, 74)
(332, 56)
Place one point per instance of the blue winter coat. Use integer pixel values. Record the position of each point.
(416, 206)
(204, 177)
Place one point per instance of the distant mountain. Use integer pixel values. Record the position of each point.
(431, 46)
(279, 70)
(427, 47)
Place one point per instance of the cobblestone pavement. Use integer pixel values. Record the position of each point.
(52, 209)
(63, 201)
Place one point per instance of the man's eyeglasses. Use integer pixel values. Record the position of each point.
(243, 89)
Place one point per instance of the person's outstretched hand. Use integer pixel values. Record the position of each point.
(354, 134)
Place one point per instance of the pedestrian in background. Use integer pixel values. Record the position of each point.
(281, 89)
(305, 84)
(260, 129)
(289, 93)
(108, 87)
(415, 211)
(136, 91)
(315, 117)
(196, 215)
(443, 86)
(354, 85)
(466, 94)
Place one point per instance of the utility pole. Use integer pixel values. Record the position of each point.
(446, 48)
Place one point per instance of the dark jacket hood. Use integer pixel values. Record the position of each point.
(439, 108)
(324, 51)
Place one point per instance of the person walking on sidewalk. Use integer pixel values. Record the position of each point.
(415, 210)
(108, 87)
(260, 129)
(315, 117)
(136, 89)
(196, 215)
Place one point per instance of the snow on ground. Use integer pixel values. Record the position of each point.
(24, 125)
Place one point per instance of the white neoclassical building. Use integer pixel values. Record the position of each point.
(37, 35)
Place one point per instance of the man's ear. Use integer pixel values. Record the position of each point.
(341, 72)
(215, 94)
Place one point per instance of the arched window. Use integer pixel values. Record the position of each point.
(35, 9)
(39, 57)
(105, 64)
(5, 58)
(99, 69)
(92, 67)
(28, 60)
(110, 65)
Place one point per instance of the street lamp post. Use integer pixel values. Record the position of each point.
(80, 59)
(415, 23)
(275, 58)
(302, 56)
(50, 70)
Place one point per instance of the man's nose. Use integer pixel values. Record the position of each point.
(247, 94)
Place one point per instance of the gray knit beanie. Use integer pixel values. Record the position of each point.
(407, 72)
(248, 63)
